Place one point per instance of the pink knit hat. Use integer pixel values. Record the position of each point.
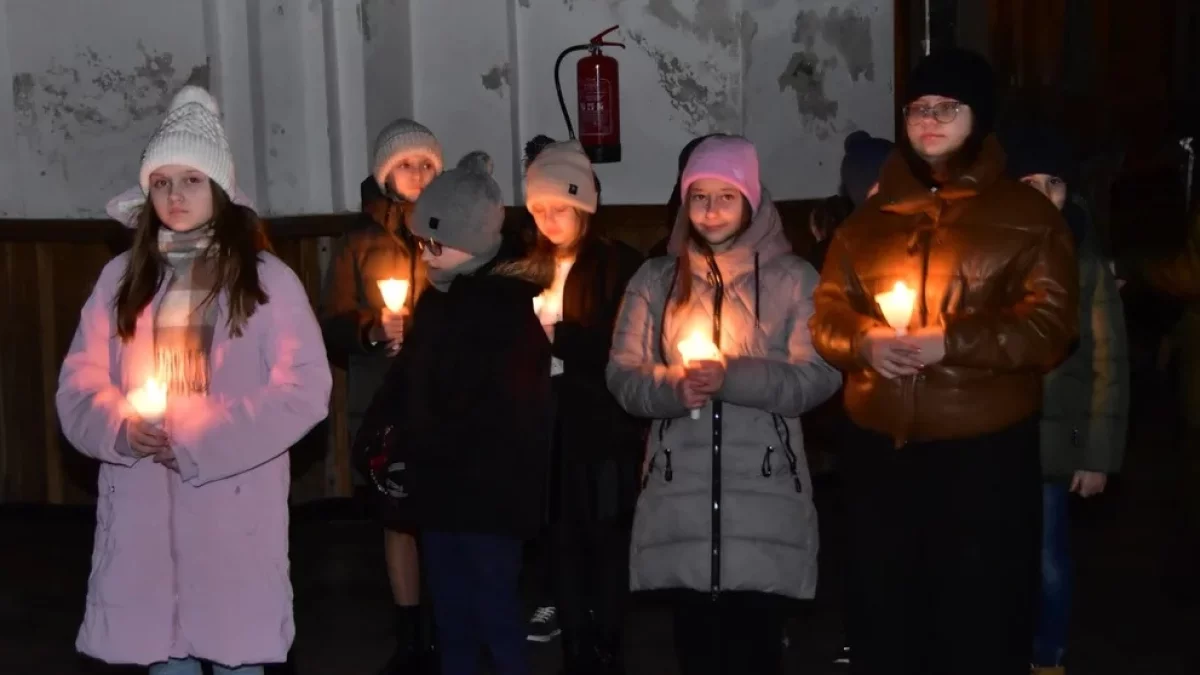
(732, 159)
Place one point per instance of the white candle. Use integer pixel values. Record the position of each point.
(395, 292)
(897, 306)
(150, 401)
(698, 348)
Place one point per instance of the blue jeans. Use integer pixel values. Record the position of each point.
(473, 583)
(192, 667)
(1050, 640)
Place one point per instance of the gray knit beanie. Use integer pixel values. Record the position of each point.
(398, 138)
(462, 208)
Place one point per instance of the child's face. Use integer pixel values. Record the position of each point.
(557, 220)
(937, 127)
(717, 211)
(182, 197)
(1053, 187)
(411, 174)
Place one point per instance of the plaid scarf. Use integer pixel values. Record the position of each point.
(186, 318)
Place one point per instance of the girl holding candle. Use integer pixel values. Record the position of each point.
(363, 333)
(725, 522)
(472, 401)
(596, 446)
(191, 549)
(940, 466)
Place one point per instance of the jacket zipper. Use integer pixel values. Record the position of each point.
(717, 410)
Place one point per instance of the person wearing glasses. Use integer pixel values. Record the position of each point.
(470, 393)
(363, 335)
(941, 462)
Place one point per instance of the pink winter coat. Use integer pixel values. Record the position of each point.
(196, 562)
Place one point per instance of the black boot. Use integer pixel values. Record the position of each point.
(429, 660)
(405, 660)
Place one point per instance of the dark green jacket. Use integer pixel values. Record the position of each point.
(1086, 399)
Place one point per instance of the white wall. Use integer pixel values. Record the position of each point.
(305, 86)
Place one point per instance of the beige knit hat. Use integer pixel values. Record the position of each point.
(191, 135)
(398, 138)
(562, 171)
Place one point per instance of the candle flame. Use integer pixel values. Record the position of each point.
(395, 292)
(698, 348)
(150, 401)
(897, 306)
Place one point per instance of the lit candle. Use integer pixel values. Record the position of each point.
(698, 348)
(150, 401)
(897, 306)
(395, 292)
(537, 305)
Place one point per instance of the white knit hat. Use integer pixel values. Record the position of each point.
(191, 135)
(399, 138)
(562, 171)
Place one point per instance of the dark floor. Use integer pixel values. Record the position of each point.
(1126, 619)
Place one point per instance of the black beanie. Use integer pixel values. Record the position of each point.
(1035, 149)
(961, 75)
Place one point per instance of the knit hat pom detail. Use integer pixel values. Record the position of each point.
(193, 94)
(476, 161)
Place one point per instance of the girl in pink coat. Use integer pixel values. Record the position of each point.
(190, 559)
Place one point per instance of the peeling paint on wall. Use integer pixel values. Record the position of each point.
(805, 75)
(496, 78)
(714, 20)
(523, 3)
(850, 34)
(705, 109)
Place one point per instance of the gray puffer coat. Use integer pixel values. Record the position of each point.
(727, 499)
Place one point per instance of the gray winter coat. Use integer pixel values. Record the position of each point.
(764, 533)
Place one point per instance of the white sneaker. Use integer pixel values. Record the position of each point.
(543, 625)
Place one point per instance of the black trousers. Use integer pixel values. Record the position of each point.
(591, 518)
(943, 543)
(735, 634)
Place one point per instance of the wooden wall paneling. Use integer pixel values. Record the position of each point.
(23, 442)
(48, 348)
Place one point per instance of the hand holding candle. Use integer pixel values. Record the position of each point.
(144, 433)
(698, 348)
(897, 306)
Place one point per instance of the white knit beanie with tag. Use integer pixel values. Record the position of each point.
(191, 135)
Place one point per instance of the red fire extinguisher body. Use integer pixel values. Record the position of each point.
(599, 98)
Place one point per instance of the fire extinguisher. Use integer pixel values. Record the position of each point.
(598, 97)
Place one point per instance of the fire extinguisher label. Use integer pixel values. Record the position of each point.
(595, 114)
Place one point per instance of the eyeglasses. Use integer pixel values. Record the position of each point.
(434, 248)
(944, 112)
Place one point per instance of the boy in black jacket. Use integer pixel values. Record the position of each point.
(474, 414)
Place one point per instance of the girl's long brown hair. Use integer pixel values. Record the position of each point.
(238, 239)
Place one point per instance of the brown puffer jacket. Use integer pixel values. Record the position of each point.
(991, 260)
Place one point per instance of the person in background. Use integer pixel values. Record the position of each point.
(1085, 400)
(863, 160)
(597, 446)
(473, 383)
(191, 548)
(940, 467)
(725, 523)
(363, 334)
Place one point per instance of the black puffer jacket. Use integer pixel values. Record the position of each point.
(474, 404)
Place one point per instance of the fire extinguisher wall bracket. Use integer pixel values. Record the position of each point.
(598, 99)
